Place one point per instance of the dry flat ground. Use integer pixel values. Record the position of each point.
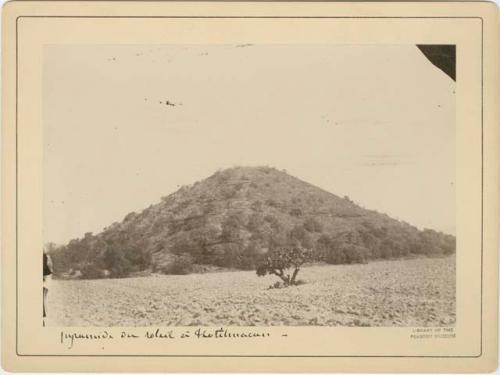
(414, 292)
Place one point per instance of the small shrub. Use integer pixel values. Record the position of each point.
(356, 254)
(313, 225)
(301, 236)
(276, 285)
(335, 255)
(296, 212)
(272, 203)
(181, 265)
(255, 221)
(229, 192)
(90, 271)
(130, 216)
(256, 205)
(270, 219)
(220, 177)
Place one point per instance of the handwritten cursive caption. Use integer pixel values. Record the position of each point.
(70, 339)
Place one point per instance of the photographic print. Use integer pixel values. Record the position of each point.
(249, 185)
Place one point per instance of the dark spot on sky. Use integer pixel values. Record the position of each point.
(169, 103)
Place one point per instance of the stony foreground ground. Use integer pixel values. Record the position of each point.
(414, 292)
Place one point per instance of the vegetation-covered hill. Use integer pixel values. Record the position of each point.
(233, 218)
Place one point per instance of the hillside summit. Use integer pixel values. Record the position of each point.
(232, 219)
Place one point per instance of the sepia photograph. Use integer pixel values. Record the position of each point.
(249, 185)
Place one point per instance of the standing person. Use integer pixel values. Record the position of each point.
(47, 276)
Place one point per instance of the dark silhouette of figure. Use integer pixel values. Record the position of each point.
(47, 276)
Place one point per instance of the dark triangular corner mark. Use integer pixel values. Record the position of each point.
(442, 56)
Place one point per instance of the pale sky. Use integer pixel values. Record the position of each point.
(376, 123)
